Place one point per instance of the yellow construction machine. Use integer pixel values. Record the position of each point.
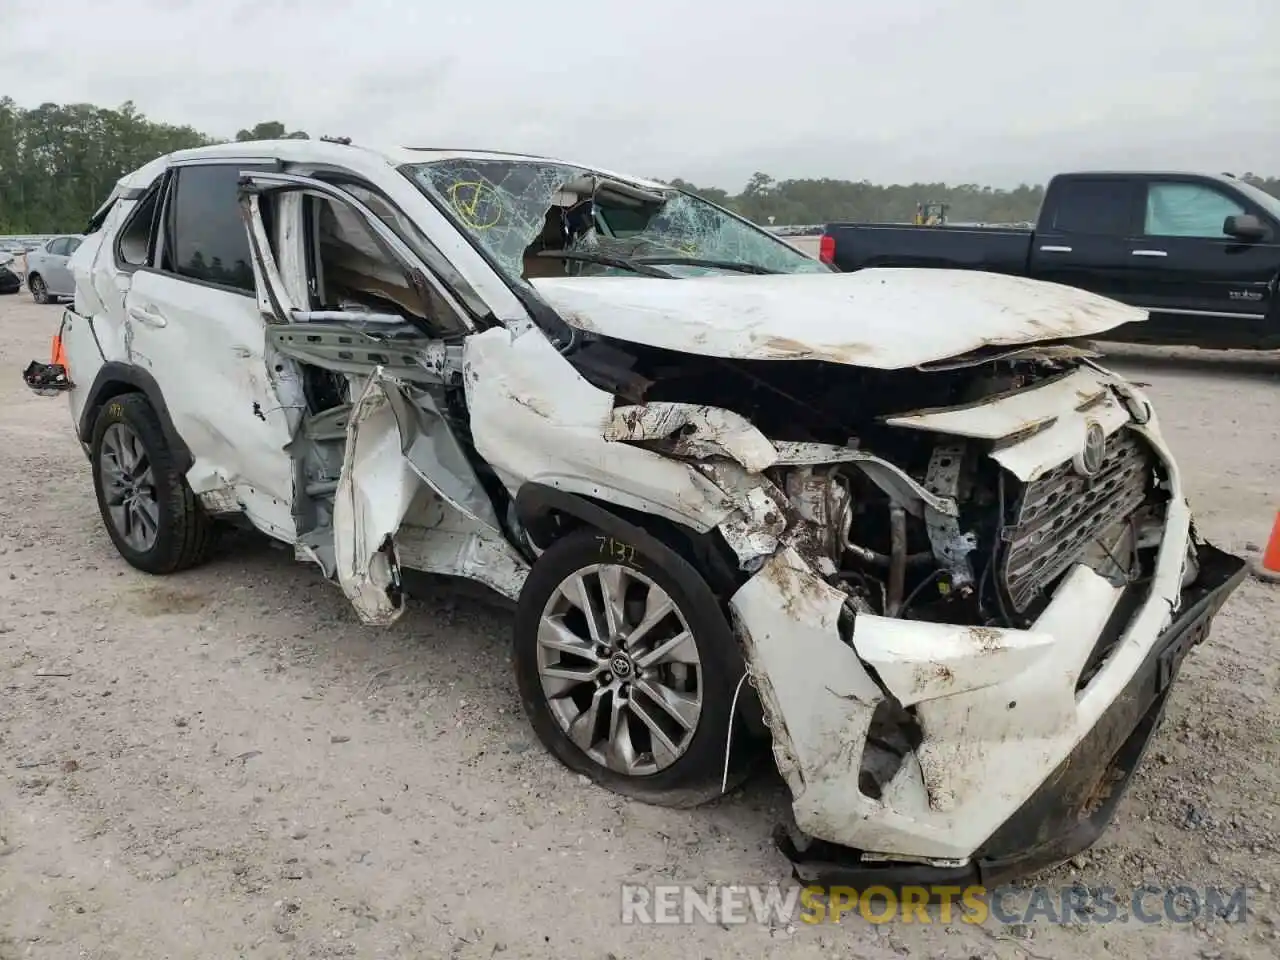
(931, 214)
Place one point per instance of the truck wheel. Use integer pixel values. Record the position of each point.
(39, 292)
(151, 515)
(627, 669)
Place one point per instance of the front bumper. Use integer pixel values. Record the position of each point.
(1074, 805)
(1016, 738)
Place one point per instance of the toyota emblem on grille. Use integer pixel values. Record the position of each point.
(1089, 460)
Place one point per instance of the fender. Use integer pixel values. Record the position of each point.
(116, 378)
(537, 505)
(538, 508)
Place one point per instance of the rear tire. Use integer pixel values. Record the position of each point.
(151, 515)
(576, 718)
(39, 292)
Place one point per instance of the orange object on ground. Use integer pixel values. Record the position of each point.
(58, 354)
(1271, 559)
(1268, 568)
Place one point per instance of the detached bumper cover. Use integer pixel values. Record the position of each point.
(1074, 805)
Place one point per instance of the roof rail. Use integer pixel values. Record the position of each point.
(496, 153)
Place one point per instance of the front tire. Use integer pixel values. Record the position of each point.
(627, 669)
(39, 291)
(151, 515)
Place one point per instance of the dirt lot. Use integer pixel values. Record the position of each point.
(224, 763)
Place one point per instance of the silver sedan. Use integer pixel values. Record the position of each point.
(48, 274)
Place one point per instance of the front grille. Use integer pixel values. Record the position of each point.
(1060, 514)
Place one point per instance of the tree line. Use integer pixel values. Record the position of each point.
(59, 161)
(826, 200)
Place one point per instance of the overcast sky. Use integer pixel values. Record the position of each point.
(990, 91)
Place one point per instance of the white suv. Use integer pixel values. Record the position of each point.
(948, 550)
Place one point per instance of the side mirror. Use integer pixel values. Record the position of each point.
(1244, 226)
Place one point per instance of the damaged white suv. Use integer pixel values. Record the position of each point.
(949, 552)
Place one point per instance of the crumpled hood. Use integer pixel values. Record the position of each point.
(888, 318)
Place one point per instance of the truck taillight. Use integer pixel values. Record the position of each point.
(827, 248)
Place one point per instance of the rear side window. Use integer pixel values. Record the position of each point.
(58, 247)
(73, 245)
(207, 237)
(1104, 207)
(135, 243)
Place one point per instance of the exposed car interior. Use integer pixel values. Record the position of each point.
(589, 214)
(352, 270)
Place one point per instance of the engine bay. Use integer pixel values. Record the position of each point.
(996, 562)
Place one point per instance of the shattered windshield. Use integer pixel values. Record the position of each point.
(540, 219)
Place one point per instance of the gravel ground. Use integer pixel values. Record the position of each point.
(224, 763)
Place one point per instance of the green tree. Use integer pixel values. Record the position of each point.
(58, 162)
(270, 130)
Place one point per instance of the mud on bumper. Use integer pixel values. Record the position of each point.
(1076, 803)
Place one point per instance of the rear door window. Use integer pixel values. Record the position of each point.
(1099, 207)
(207, 238)
(58, 248)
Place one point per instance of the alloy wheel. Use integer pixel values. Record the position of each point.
(620, 669)
(129, 487)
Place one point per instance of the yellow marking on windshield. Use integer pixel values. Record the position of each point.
(477, 204)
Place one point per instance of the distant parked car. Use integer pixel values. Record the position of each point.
(10, 282)
(48, 276)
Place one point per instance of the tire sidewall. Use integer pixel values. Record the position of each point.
(133, 411)
(697, 774)
(39, 291)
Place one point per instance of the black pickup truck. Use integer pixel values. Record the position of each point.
(1200, 253)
